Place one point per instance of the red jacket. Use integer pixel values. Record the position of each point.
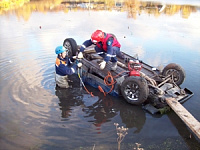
(104, 42)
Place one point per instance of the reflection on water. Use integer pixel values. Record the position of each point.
(133, 7)
(98, 111)
(35, 114)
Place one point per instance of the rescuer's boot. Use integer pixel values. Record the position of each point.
(114, 66)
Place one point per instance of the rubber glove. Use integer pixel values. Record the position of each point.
(79, 65)
(74, 57)
(80, 55)
(102, 65)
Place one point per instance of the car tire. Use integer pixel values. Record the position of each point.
(71, 45)
(135, 90)
(178, 75)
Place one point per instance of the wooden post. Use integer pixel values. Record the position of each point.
(185, 116)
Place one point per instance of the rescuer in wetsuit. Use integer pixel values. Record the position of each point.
(107, 47)
(64, 66)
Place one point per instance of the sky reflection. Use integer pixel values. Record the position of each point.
(148, 33)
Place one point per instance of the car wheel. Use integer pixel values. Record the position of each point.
(135, 90)
(178, 73)
(71, 45)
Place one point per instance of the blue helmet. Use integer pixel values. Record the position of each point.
(60, 49)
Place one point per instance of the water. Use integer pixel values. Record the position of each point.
(34, 114)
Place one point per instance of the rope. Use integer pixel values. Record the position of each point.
(111, 83)
(84, 84)
(106, 82)
(101, 90)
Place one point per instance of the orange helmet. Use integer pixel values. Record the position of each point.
(97, 36)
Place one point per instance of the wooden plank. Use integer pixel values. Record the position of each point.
(185, 116)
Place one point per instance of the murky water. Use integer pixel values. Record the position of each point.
(34, 114)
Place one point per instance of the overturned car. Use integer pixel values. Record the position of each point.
(137, 82)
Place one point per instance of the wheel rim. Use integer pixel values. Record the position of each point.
(132, 91)
(68, 46)
(175, 74)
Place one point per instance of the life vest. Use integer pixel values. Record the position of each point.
(104, 42)
(59, 61)
(64, 67)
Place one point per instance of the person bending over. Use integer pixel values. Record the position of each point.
(107, 46)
